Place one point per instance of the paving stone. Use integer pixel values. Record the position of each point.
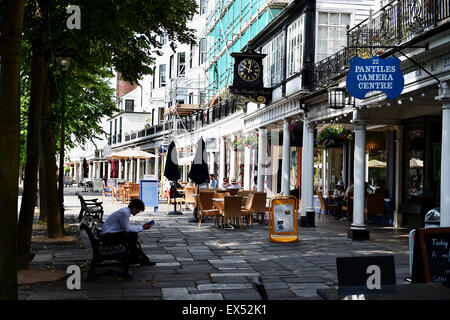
(223, 286)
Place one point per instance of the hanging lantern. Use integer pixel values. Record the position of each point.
(336, 98)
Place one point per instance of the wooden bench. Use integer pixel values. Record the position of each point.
(91, 208)
(103, 250)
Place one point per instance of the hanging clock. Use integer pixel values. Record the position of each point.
(249, 69)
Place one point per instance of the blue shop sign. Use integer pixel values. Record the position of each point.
(375, 74)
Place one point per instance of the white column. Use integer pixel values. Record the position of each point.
(157, 163)
(398, 175)
(138, 170)
(285, 166)
(309, 171)
(247, 168)
(444, 97)
(262, 146)
(147, 166)
(120, 169)
(131, 171)
(109, 170)
(359, 175)
(211, 163)
(126, 170)
(304, 169)
(90, 171)
(232, 160)
(253, 163)
(221, 160)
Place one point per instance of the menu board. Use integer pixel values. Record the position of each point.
(283, 218)
(283, 223)
(148, 192)
(431, 256)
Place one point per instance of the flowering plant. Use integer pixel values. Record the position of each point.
(333, 136)
(251, 140)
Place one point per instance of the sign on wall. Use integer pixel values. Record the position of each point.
(375, 74)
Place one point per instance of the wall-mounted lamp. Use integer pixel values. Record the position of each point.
(336, 98)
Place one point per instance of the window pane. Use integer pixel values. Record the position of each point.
(323, 18)
(345, 19)
(334, 18)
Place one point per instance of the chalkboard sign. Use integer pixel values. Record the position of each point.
(431, 261)
(148, 193)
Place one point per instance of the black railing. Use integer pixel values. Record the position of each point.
(396, 23)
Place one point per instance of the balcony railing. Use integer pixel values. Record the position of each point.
(396, 23)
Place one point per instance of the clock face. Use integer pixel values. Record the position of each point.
(249, 70)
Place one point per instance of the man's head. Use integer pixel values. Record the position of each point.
(225, 179)
(136, 206)
(211, 176)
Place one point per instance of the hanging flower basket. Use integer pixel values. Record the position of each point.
(333, 137)
(251, 141)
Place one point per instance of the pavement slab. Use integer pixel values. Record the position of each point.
(211, 263)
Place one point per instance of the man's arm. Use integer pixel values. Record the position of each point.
(127, 227)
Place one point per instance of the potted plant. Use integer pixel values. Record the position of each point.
(333, 136)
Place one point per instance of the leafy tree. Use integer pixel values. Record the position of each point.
(119, 34)
(11, 20)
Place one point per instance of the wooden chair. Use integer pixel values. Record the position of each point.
(259, 205)
(205, 207)
(375, 206)
(189, 199)
(131, 191)
(324, 206)
(221, 194)
(107, 190)
(348, 207)
(232, 209)
(246, 210)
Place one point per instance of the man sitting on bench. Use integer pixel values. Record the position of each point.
(117, 228)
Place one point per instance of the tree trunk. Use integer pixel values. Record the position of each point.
(10, 52)
(48, 163)
(42, 193)
(38, 68)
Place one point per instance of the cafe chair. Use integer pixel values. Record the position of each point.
(232, 210)
(206, 208)
(131, 191)
(324, 206)
(374, 207)
(107, 190)
(189, 200)
(347, 208)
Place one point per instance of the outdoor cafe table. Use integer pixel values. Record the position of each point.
(414, 291)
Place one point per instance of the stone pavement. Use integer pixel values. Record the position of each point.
(207, 263)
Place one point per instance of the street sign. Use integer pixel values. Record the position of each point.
(283, 219)
(375, 74)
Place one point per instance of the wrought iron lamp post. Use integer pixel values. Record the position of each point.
(64, 62)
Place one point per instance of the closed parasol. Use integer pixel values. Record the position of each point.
(172, 173)
(199, 170)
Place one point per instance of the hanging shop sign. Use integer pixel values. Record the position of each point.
(248, 77)
(283, 219)
(375, 74)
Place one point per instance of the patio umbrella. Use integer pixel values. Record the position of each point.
(199, 170)
(113, 173)
(415, 163)
(377, 164)
(85, 169)
(172, 173)
(132, 154)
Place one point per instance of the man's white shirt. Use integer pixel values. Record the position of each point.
(119, 221)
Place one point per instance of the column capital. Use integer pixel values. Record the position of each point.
(310, 125)
(444, 95)
(360, 124)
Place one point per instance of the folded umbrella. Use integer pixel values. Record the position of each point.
(199, 171)
(172, 173)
